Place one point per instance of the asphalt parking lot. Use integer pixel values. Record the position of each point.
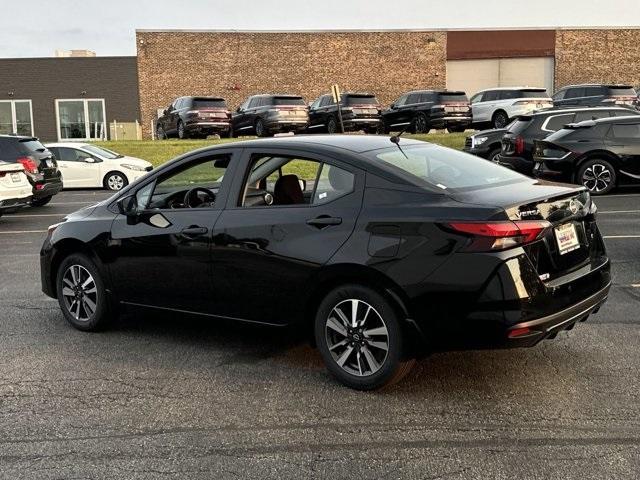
(180, 397)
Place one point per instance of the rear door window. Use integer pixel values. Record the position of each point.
(626, 130)
(591, 115)
(556, 122)
(592, 91)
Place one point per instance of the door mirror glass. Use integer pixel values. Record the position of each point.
(128, 206)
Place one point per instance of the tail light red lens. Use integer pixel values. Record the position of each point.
(519, 145)
(28, 164)
(488, 236)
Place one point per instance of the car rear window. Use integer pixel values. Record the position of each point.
(360, 100)
(209, 103)
(533, 93)
(28, 146)
(288, 101)
(520, 124)
(443, 168)
(453, 98)
(622, 92)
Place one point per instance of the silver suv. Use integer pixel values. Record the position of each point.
(497, 106)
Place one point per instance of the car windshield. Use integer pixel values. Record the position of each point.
(102, 152)
(29, 145)
(533, 93)
(360, 100)
(209, 103)
(288, 101)
(444, 168)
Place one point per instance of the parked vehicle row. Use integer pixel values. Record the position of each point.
(418, 111)
(615, 155)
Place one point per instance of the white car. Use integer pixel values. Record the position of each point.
(15, 189)
(84, 165)
(498, 106)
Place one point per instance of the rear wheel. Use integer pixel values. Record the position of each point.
(332, 125)
(500, 119)
(182, 131)
(160, 133)
(41, 201)
(421, 124)
(81, 293)
(360, 338)
(261, 130)
(493, 154)
(598, 175)
(115, 181)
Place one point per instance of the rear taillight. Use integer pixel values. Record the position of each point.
(488, 236)
(28, 164)
(519, 145)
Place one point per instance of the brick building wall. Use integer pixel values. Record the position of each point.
(595, 56)
(173, 64)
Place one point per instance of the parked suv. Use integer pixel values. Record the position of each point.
(497, 106)
(518, 141)
(422, 110)
(360, 111)
(599, 154)
(265, 115)
(596, 94)
(194, 117)
(39, 165)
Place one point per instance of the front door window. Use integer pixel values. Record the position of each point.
(81, 119)
(15, 117)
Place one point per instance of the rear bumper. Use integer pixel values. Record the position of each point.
(450, 121)
(556, 170)
(46, 189)
(204, 127)
(279, 124)
(360, 123)
(519, 164)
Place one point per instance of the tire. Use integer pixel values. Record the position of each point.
(455, 129)
(81, 293)
(41, 202)
(160, 133)
(182, 132)
(350, 354)
(421, 124)
(261, 130)
(115, 181)
(493, 154)
(332, 125)
(598, 175)
(500, 119)
(232, 132)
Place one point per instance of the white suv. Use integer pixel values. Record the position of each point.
(15, 189)
(498, 106)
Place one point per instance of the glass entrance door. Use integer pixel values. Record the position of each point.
(16, 117)
(81, 119)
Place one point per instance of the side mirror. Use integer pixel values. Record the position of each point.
(89, 160)
(303, 184)
(165, 111)
(238, 110)
(128, 206)
(392, 106)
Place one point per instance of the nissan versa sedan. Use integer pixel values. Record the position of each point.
(382, 248)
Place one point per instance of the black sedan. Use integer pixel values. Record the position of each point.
(599, 154)
(383, 250)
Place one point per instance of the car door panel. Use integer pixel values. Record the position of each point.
(266, 255)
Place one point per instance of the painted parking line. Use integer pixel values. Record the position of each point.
(19, 232)
(620, 236)
(38, 215)
(618, 211)
(619, 195)
(73, 203)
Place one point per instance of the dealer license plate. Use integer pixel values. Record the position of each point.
(567, 238)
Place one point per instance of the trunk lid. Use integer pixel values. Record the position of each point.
(573, 240)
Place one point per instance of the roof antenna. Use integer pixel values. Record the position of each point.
(396, 140)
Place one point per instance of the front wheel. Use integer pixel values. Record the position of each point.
(41, 202)
(421, 124)
(360, 338)
(81, 293)
(182, 131)
(115, 181)
(332, 125)
(500, 119)
(598, 175)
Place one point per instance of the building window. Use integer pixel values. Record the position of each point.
(82, 119)
(16, 116)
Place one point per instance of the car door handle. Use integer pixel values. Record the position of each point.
(324, 221)
(194, 231)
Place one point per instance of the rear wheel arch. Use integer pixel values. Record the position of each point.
(334, 276)
(595, 154)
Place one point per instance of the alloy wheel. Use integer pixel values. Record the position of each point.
(597, 177)
(115, 182)
(80, 293)
(259, 128)
(357, 337)
(421, 124)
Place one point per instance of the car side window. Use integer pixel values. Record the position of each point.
(591, 115)
(282, 180)
(68, 154)
(556, 122)
(574, 93)
(401, 101)
(592, 91)
(490, 96)
(477, 97)
(625, 130)
(253, 102)
(413, 98)
(559, 95)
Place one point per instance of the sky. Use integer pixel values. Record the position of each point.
(108, 27)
